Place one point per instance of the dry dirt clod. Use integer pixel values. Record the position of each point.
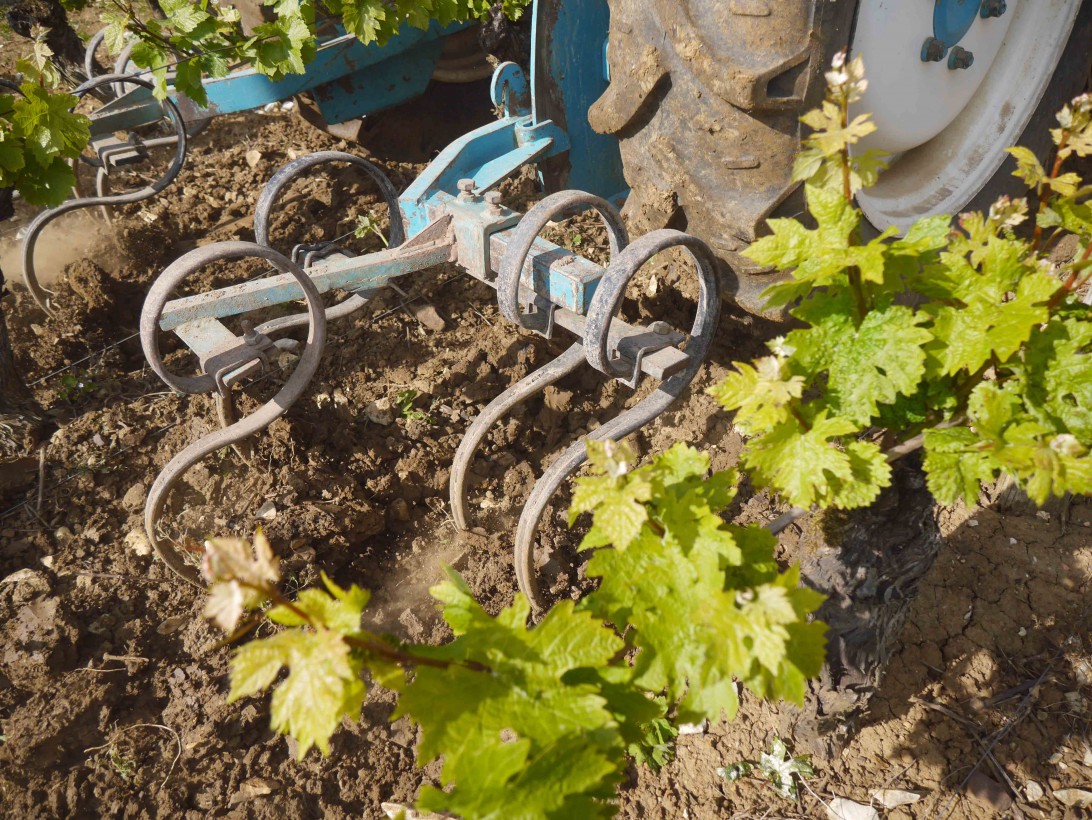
(428, 316)
(252, 788)
(380, 412)
(253, 157)
(134, 497)
(986, 790)
(137, 542)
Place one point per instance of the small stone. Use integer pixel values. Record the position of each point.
(98, 440)
(134, 497)
(172, 624)
(893, 798)
(1043, 514)
(399, 510)
(253, 157)
(137, 542)
(267, 512)
(47, 561)
(842, 809)
(1074, 798)
(28, 579)
(252, 788)
(1023, 632)
(426, 314)
(380, 412)
(62, 535)
(693, 728)
(1013, 541)
(1033, 791)
(179, 674)
(972, 522)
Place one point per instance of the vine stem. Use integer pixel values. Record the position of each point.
(383, 650)
(1044, 193)
(1074, 281)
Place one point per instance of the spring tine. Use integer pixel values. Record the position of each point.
(604, 305)
(30, 276)
(559, 205)
(244, 428)
(289, 172)
(526, 387)
(228, 414)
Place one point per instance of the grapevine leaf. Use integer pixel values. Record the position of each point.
(955, 464)
(340, 610)
(526, 694)
(322, 688)
(760, 394)
(880, 360)
(617, 496)
(808, 469)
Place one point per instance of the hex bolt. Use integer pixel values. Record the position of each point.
(960, 58)
(466, 191)
(933, 50)
(993, 8)
(493, 201)
(250, 337)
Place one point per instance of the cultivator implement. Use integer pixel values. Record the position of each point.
(453, 213)
(347, 80)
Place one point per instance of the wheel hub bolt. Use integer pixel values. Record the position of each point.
(493, 201)
(466, 191)
(993, 8)
(933, 50)
(960, 58)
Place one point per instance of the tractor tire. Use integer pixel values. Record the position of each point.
(705, 98)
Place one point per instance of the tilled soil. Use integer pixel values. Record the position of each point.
(112, 687)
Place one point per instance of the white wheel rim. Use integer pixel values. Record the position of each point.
(948, 129)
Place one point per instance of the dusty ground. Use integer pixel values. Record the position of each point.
(112, 688)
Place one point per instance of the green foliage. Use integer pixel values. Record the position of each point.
(967, 339)
(204, 39)
(537, 721)
(39, 134)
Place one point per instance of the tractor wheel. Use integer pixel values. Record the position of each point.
(706, 95)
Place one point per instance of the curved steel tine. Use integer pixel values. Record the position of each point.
(526, 387)
(30, 276)
(560, 204)
(604, 304)
(89, 52)
(246, 427)
(530, 226)
(289, 172)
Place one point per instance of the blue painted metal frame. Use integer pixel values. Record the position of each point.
(567, 78)
(349, 79)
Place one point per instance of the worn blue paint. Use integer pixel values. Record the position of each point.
(566, 78)
(345, 61)
(952, 19)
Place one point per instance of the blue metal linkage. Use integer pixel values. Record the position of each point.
(347, 78)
